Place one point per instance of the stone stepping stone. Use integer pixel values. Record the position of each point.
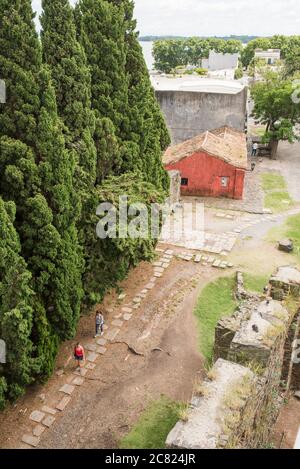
(67, 388)
(142, 295)
(230, 265)
(90, 366)
(102, 342)
(91, 347)
(188, 258)
(117, 316)
(211, 259)
(48, 410)
(117, 323)
(63, 403)
(165, 265)
(169, 252)
(122, 296)
(137, 306)
(216, 263)
(152, 279)
(31, 440)
(198, 258)
(92, 356)
(38, 430)
(157, 274)
(157, 264)
(136, 300)
(111, 335)
(127, 317)
(149, 286)
(81, 372)
(48, 421)
(59, 372)
(127, 310)
(223, 265)
(101, 350)
(158, 269)
(37, 416)
(78, 381)
(167, 258)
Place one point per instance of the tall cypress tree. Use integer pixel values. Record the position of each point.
(72, 81)
(37, 173)
(99, 33)
(15, 309)
(146, 121)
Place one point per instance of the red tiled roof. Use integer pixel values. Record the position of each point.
(225, 143)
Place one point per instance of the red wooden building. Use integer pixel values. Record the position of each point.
(211, 164)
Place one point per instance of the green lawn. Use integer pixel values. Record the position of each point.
(272, 181)
(255, 283)
(215, 301)
(290, 229)
(277, 197)
(154, 425)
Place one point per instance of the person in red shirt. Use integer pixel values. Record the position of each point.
(79, 354)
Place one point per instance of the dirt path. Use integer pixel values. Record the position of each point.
(287, 425)
(116, 392)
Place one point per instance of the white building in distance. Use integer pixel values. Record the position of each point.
(271, 56)
(219, 61)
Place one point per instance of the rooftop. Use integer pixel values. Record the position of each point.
(196, 84)
(225, 143)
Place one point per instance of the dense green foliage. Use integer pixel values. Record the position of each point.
(80, 126)
(289, 46)
(169, 54)
(275, 108)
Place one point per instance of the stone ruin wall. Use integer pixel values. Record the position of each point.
(259, 340)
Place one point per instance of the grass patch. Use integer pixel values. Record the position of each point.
(255, 283)
(290, 229)
(271, 182)
(278, 201)
(277, 197)
(215, 302)
(154, 425)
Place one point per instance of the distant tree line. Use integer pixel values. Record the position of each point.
(244, 39)
(80, 126)
(169, 54)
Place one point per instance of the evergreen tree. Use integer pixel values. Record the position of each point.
(147, 125)
(37, 173)
(15, 309)
(72, 81)
(98, 25)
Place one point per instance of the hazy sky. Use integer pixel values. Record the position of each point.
(215, 17)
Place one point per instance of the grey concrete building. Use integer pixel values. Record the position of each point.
(193, 105)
